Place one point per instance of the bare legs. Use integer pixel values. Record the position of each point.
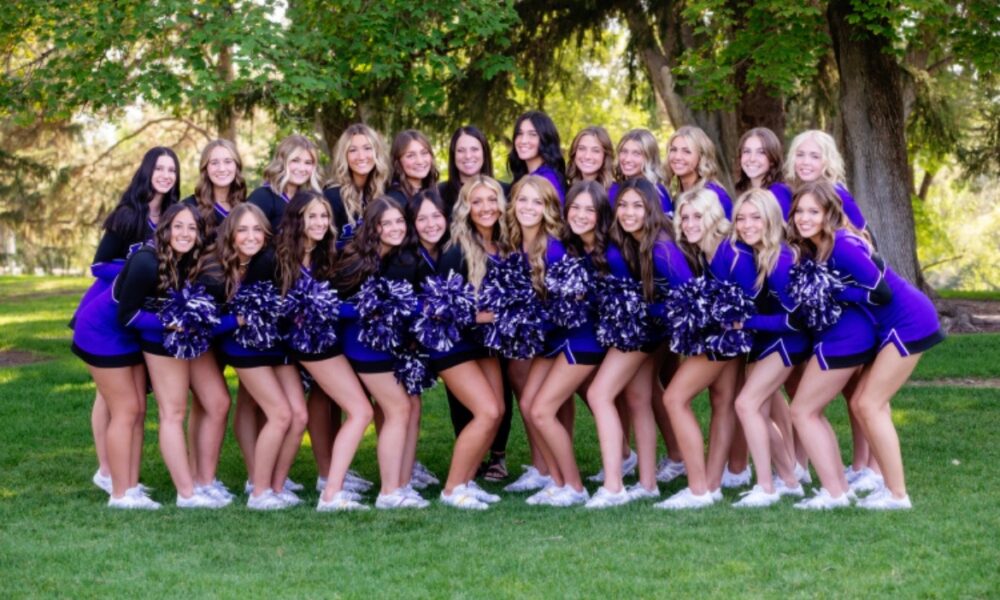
(478, 385)
(124, 391)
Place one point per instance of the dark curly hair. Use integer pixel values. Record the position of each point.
(291, 240)
(360, 258)
(174, 270)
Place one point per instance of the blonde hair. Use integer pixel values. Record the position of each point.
(465, 235)
(551, 226)
(354, 198)
(276, 172)
(833, 162)
(652, 169)
(605, 176)
(768, 249)
(713, 222)
(708, 166)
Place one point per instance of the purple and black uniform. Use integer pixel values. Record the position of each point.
(851, 341)
(724, 199)
(775, 330)
(99, 339)
(553, 177)
(579, 344)
(139, 298)
(665, 202)
(733, 263)
(400, 265)
(903, 316)
(466, 348)
(783, 194)
(336, 350)
(271, 203)
(261, 268)
(109, 259)
(345, 229)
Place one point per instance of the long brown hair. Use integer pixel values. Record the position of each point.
(291, 242)
(204, 189)
(226, 256)
(638, 253)
(174, 270)
(361, 258)
(551, 227)
(833, 219)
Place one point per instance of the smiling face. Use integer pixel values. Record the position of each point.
(683, 157)
(631, 159)
(316, 220)
(529, 207)
(301, 165)
(692, 224)
(391, 229)
(484, 207)
(430, 224)
(416, 162)
(749, 224)
(468, 156)
(221, 167)
(360, 155)
(753, 160)
(630, 212)
(589, 156)
(582, 215)
(164, 175)
(183, 232)
(809, 161)
(527, 141)
(248, 236)
(808, 217)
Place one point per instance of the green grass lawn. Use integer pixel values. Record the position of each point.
(57, 538)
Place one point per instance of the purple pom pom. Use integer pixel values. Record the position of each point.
(622, 320)
(188, 315)
(813, 288)
(385, 307)
(689, 315)
(260, 306)
(569, 283)
(311, 309)
(448, 308)
(729, 304)
(410, 369)
(518, 330)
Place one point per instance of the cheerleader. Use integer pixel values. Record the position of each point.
(413, 166)
(306, 251)
(591, 157)
(154, 188)
(361, 171)
(220, 184)
(242, 259)
(537, 151)
(536, 229)
(293, 168)
(761, 165)
(648, 254)
(149, 275)
(220, 187)
(471, 374)
(813, 156)
(469, 156)
(588, 216)
(779, 346)
(691, 159)
(639, 156)
(377, 250)
(821, 232)
(705, 229)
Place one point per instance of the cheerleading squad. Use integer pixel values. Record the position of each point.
(632, 283)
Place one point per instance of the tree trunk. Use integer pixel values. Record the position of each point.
(871, 113)
(225, 116)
